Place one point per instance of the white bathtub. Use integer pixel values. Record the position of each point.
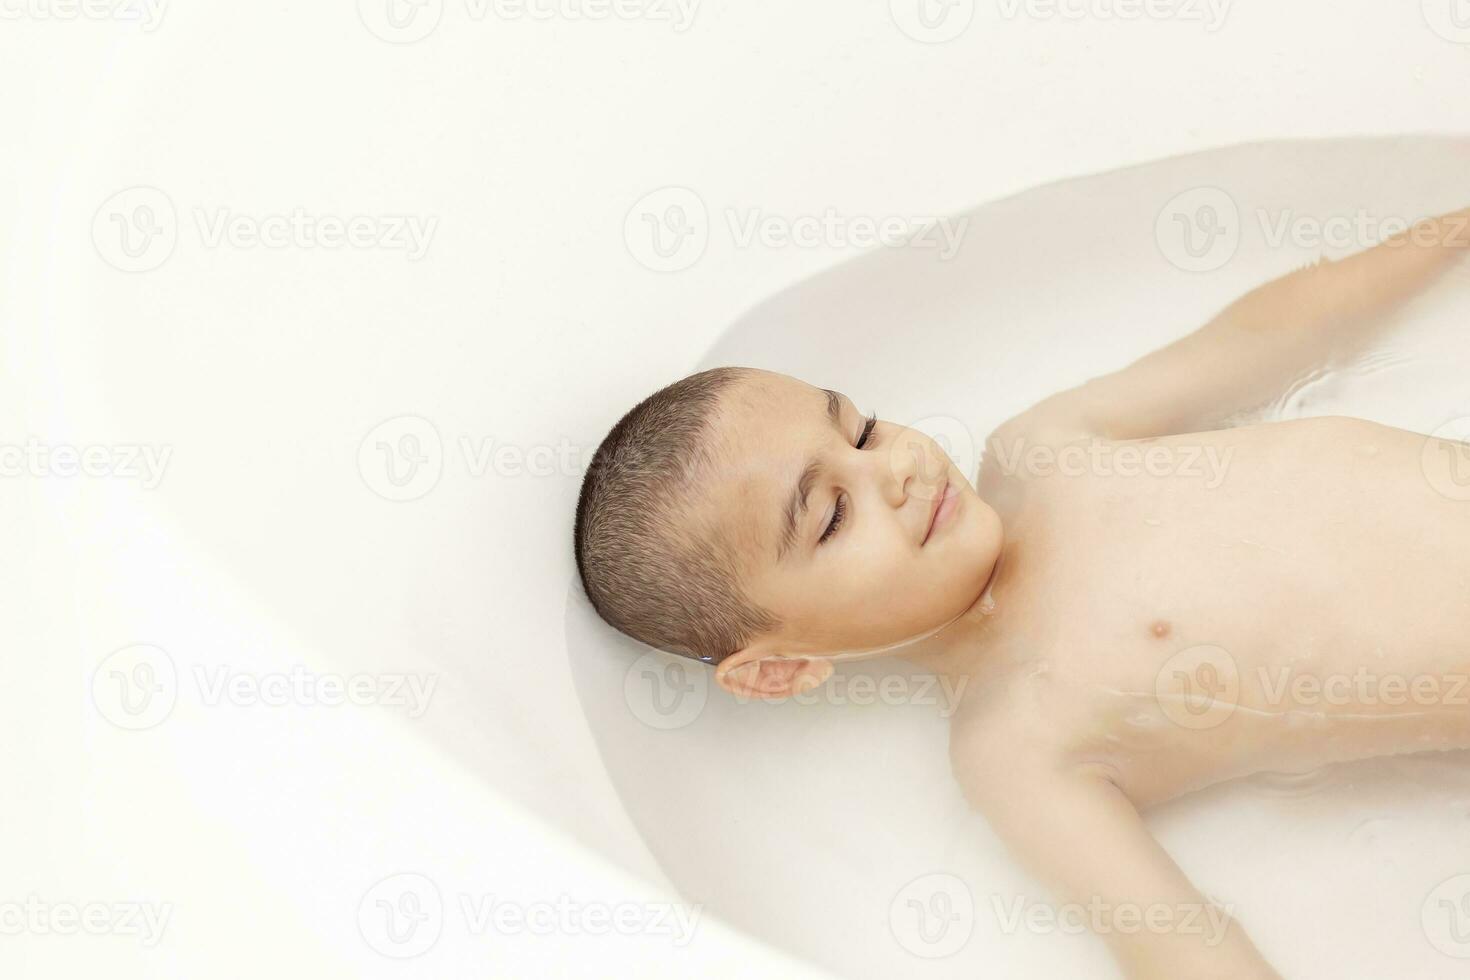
(269, 549)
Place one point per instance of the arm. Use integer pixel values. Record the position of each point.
(1260, 344)
(1082, 836)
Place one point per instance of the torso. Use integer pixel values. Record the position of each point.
(1321, 554)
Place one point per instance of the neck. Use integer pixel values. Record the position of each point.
(958, 650)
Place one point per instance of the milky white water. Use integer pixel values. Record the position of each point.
(831, 825)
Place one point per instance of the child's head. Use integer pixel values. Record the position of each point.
(745, 517)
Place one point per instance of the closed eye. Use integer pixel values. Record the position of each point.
(839, 512)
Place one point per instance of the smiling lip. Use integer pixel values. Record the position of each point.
(934, 514)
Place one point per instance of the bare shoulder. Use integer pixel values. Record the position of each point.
(995, 747)
(1057, 420)
(1051, 424)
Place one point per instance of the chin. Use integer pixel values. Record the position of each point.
(983, 544)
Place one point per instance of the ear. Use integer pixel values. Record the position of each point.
(762, 674)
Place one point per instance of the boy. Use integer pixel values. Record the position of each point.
(1121, 640)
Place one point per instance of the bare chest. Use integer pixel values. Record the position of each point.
(1303, 599)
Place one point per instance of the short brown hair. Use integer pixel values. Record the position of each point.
(645, 570)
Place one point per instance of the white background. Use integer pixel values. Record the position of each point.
(528, 321)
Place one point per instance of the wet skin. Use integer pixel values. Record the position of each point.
(1312, 607)
(1274, 596)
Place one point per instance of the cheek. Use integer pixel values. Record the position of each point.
(966, 559)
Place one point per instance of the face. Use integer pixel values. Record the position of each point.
(856, 533)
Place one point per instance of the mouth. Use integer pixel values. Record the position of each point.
(944, 504)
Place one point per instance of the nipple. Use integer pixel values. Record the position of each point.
(1160, 629)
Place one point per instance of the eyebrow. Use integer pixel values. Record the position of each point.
(796, 504)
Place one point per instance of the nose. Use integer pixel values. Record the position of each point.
(905, 463)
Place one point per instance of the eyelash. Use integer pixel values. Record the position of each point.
(839, 513)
